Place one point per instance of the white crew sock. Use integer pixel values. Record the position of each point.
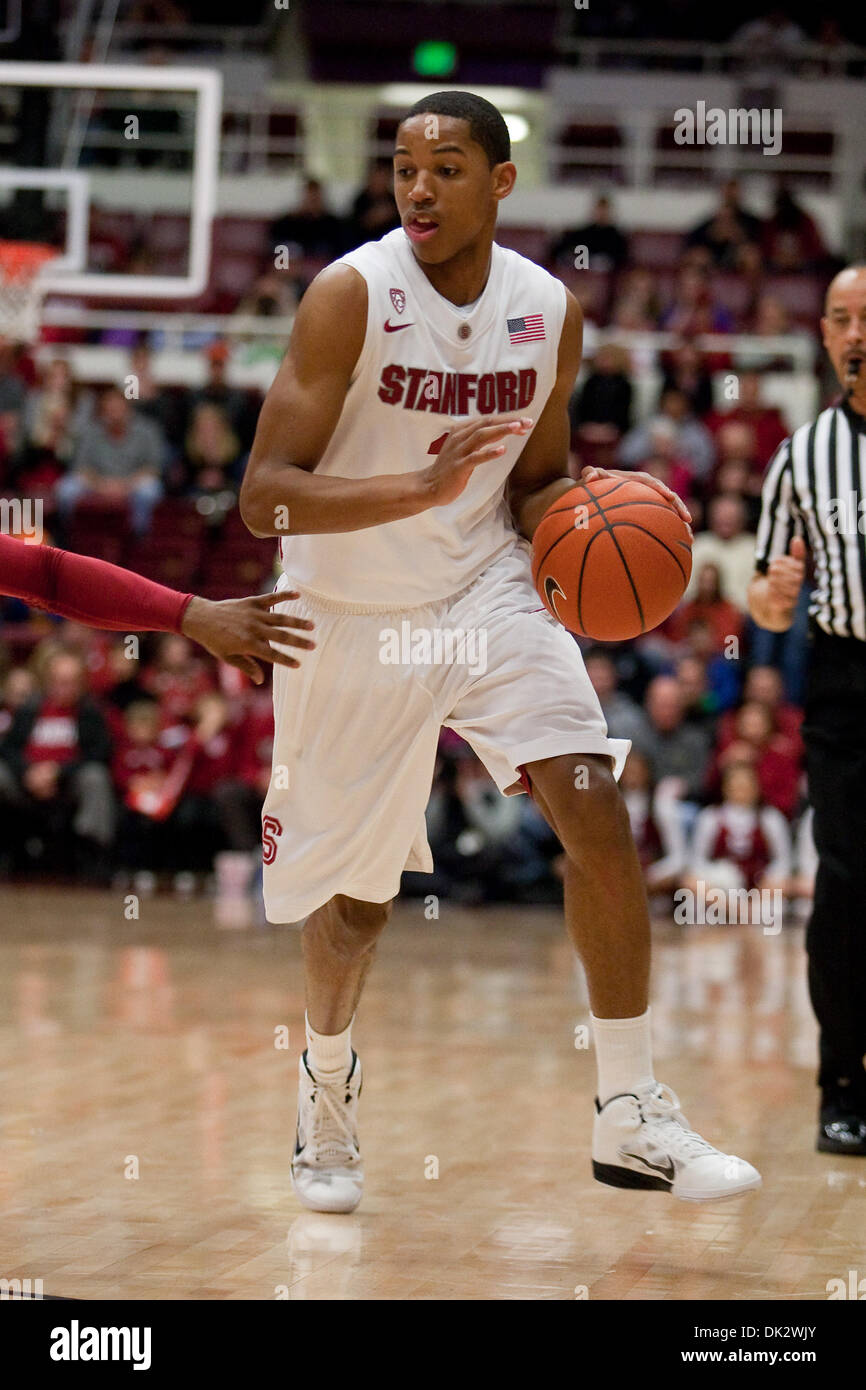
(328, 1054)
(623, 1051)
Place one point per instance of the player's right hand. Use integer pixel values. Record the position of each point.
(240, 631)
(785, 575)
(477, 441)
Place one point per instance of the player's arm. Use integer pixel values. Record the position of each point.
(92, 591)
(541, 473)
(281, 492)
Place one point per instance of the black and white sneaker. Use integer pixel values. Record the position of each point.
(644, 1141)
(327, 1172)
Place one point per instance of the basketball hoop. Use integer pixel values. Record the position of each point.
(21, 288)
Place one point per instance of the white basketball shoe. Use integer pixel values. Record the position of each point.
(644, 1141)
(327, 1172)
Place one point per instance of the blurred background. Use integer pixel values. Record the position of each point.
(701, 270)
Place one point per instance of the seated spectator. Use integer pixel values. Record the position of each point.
(624, 717)
(54, 777)
(471, 830)
(771, 320)
(275, 294)
(213, 792)
(56, 399)
(725, 619)
(766, 421)
(177, 678)
(737, 472)
(660, 462)
(655, 825)
(152, 400)
(606, 395)
(119, 458)
(770, 41)
(693, 310)
(755, 742)
(19, 686)
(122, 685)
(676, 750)
(140, 772)
(700, 702)
(727, 230)
(764, 686)
(790, 240)
(686, 370)
(374, 209)
(310, 229)
(212, 454)
(692, 444)
(606, 246)
(741, 843)
(217, 391)
(729, 547)
(637, 306)
(722, 671)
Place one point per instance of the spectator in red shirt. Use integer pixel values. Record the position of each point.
(140, 769)
(213, 794)
(724, 618)
(54, 777)
(767, 421)
(755, 742)
(790, 240)
(177, 678)
(764, 686)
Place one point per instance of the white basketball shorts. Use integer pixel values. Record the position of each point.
(357, 727)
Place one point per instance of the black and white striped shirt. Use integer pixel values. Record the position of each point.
(815, 487)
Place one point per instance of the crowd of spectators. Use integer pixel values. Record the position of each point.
(142, 763)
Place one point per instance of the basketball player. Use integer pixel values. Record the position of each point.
(91, 591)
(412, 439)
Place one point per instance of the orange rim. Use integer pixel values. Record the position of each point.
(20, 261)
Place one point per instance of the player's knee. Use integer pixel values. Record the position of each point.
(361, 918)
(585, 803)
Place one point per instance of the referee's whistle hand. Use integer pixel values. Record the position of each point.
(786, 573)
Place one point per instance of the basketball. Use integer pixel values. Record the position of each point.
(611, 559)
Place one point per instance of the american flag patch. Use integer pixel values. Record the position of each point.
(529, 329)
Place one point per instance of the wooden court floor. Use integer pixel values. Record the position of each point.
(147, 1114)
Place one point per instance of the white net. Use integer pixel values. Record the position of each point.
(21, 288)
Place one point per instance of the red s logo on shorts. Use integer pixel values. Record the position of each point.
(271, 830)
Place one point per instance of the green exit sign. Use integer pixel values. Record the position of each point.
(434, 58)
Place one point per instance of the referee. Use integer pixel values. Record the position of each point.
(814, 496)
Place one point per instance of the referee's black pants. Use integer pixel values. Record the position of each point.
(834, 730)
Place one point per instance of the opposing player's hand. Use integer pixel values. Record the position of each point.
(785, 575)
(465, 448)
(590, 474)
(240, 631)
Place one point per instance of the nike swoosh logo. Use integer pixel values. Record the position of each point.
(551, 590)
(666, 1169)
(395, 327)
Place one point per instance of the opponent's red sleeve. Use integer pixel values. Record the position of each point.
(87, 590)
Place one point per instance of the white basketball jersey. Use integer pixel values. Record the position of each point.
(424, 368)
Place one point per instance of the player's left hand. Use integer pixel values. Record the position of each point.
(239, 630)
(591, 474)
